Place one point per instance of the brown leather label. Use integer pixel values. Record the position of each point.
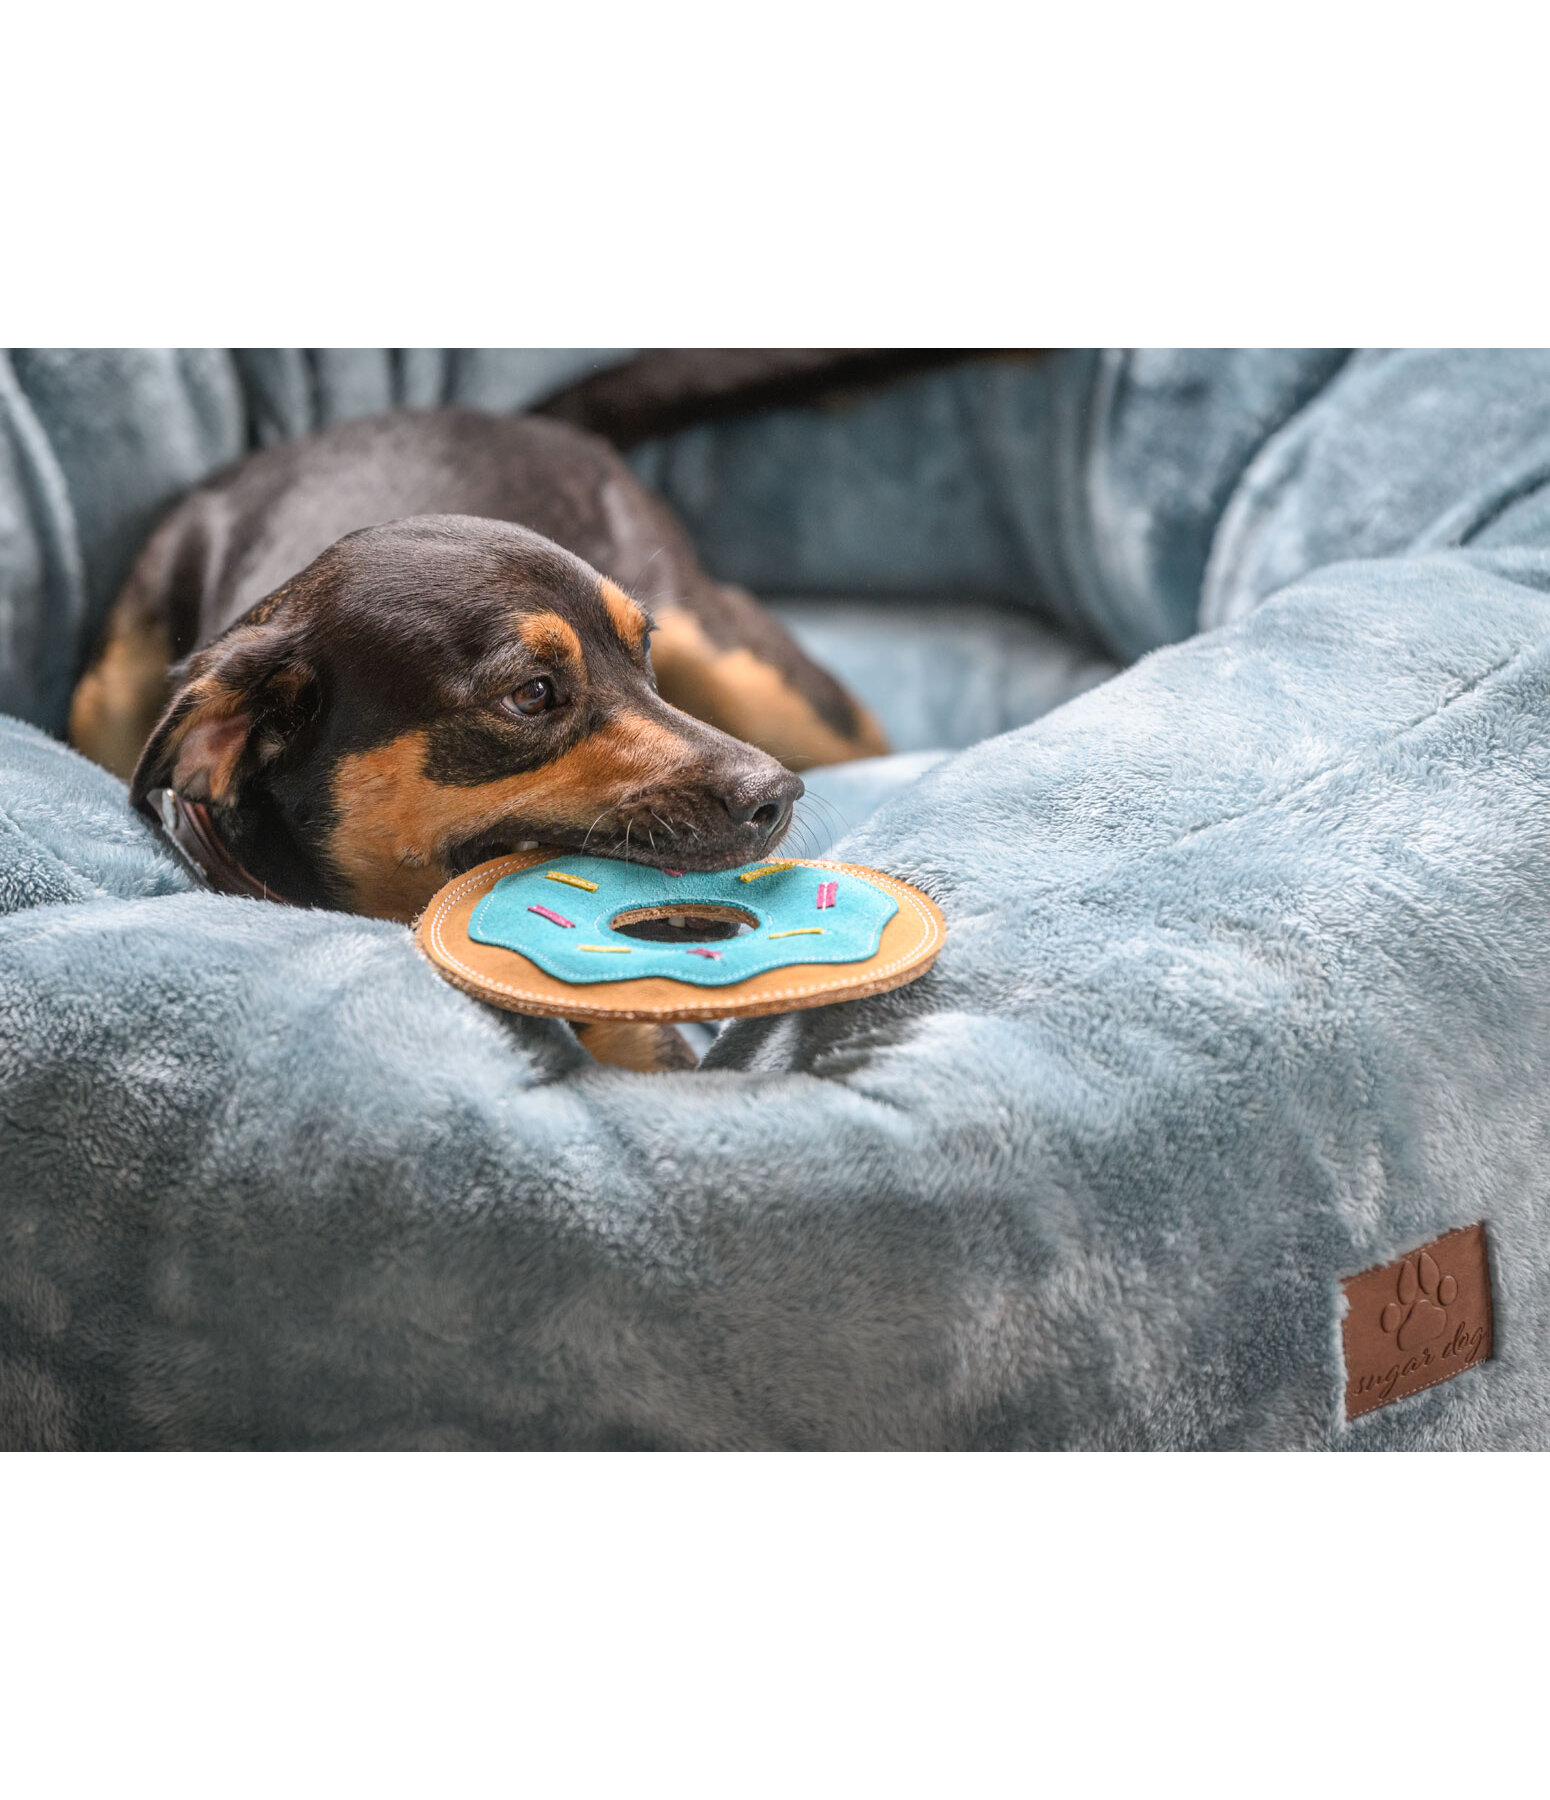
(1418, 1321)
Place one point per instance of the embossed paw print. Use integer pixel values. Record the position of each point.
(1421, 1311)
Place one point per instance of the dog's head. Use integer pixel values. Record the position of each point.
(430, 693)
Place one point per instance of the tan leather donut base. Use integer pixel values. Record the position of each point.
(910, 942)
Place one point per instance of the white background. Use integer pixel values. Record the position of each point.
(766, 1625)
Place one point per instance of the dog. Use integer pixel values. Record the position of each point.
(361, 662)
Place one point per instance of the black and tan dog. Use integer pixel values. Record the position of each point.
(363, 661)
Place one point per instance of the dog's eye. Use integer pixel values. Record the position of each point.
(533, 696)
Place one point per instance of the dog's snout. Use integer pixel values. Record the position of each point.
(765, 802)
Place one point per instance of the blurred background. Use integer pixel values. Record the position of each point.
(879, 501)
(966, 538)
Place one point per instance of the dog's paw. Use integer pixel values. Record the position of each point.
(634, 1044)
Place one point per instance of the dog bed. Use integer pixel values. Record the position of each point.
(1242, 995)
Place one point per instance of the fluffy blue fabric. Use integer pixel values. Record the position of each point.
(1240, 994)
(290, 392)
(1408, 450)
(94, 445)
(1086, 484)
(942, 675)
(67, 832)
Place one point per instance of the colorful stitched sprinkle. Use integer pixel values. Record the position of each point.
(605, 949)
(826, 893)
(673, 871)
(571, 880)
(556, 918)
(801, 931)
(714, 955)
(768, 869)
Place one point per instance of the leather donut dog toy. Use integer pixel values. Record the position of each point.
(581, 937)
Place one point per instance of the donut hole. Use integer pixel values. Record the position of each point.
(706, 923)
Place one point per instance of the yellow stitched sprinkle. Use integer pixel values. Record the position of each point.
(571, 880)
(768, 869)
(801, 931)
(605, 949)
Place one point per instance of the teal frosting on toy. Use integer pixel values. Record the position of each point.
(791, 925)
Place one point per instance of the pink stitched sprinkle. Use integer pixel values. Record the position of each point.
(715, 955)
(672, 871)
(557, 918)
(826, 893)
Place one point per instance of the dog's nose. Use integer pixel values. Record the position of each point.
(766, 803)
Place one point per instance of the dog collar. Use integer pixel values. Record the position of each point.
(187, 826)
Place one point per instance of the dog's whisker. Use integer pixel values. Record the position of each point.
(587, 839)
(840, 819)
(788, 754)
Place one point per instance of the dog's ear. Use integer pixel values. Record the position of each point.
(237, 705)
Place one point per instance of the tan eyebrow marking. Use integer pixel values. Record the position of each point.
(550, 638)
(629, 621)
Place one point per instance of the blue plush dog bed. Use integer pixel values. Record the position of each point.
(1243, 993)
